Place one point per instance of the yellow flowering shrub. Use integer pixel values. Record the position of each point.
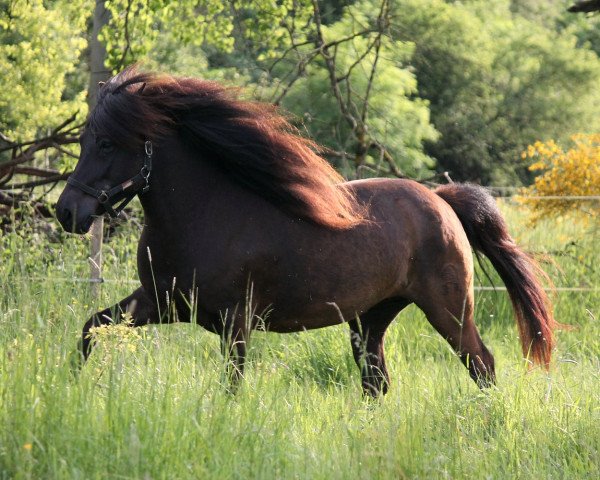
(574, 172)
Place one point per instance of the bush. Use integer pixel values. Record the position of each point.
(572, 172)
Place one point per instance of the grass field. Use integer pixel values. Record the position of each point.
(151, 403)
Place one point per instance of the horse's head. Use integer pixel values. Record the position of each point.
(106, 175)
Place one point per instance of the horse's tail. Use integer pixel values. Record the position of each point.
(487, 233)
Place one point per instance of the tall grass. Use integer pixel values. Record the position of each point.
(152, 404)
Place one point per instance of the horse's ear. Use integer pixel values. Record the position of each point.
(141, 88)
(101, 84)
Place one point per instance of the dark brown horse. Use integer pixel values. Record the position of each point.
(235, 200)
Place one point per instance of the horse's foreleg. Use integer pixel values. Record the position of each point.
(366, 337)
(236, 331)
(139, 305)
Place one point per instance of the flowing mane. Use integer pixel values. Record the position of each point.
(255, 145)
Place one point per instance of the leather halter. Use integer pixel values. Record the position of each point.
(125, 191)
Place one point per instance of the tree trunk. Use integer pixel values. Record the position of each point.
(98, 73)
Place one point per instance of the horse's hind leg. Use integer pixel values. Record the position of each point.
(366, 336)
(449, 308)
(139, 305)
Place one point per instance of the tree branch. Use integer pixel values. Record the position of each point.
(60, 135)
(38, 183)
(331, 67)
(22, 153)
(36, 172)
(126, 34)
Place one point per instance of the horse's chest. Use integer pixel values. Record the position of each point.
(216, 277)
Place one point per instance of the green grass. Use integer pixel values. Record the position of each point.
(153, 405)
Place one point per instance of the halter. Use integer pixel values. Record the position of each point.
(126, 191)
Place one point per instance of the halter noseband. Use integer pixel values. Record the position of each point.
(126, 191)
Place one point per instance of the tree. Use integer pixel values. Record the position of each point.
(99, 72)
(357, 96)
(40, 45)
(496, 82)
(40, 93)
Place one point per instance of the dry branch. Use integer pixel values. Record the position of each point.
(20, 161)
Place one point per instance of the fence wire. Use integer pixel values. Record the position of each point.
(481, 288)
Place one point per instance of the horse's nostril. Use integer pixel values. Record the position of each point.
(65, 216)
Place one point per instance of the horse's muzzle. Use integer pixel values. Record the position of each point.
(75, 211)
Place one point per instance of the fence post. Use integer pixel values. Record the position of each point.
(97, 232)
(98, 72)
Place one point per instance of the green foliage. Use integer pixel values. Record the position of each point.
(266, 27)
(135, 26)
(586, 28)
(40, 44)
(190, 60)
(541, 12)
(462, 87)
(496, 83)
(395, 116)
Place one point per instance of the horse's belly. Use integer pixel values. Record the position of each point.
(298, 313)
(295, 323)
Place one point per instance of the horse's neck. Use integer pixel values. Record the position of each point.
(181, 186)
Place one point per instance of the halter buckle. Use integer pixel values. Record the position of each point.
(148, 148)
(103, 197)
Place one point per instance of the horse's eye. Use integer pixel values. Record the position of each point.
(106, 146)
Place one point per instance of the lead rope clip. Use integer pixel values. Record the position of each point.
(147, 165)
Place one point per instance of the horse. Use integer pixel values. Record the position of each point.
(235, 200)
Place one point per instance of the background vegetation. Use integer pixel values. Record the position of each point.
(392, 87)
(574, 172)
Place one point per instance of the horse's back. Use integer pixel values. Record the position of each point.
(413, 208)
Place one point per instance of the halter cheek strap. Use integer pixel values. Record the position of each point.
(124, 192)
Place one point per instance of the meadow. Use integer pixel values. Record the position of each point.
(151, 403)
